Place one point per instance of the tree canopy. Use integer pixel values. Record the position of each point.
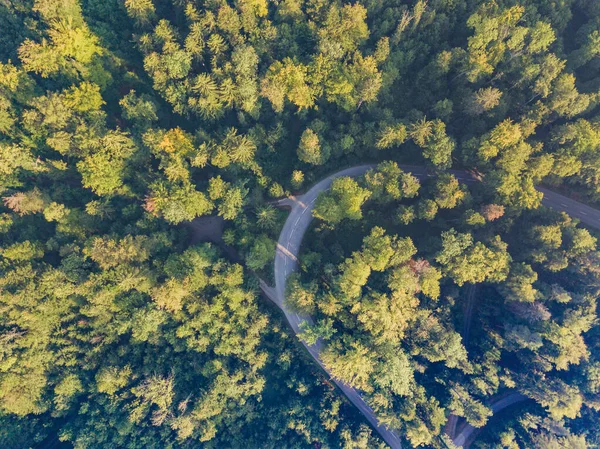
(143, 146)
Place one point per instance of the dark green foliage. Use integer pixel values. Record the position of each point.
(122, 121)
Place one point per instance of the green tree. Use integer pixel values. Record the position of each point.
(310, 150)
(388, 183)
(103, 170)
(299, 296)
(350, 362)
(343, 201)
(466, 261)
(297, 179)
(142, 11)
(485, 99)
(447, 191)
(176, 203)
(140, 110)
(392, 136)
(463, 404)
(287, 80)
(344, 29)
(261, 253)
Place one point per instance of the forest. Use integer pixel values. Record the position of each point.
(145, 149)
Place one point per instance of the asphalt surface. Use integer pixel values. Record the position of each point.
(464, 436)
(586, 214)
(286, 262)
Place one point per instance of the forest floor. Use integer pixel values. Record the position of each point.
(210, 229)
(206, 229)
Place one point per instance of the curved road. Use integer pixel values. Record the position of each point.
(464, 437)
(286, 262)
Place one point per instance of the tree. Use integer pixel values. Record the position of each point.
(447, 191)
(301, 297)
(541, 76)
(297, 179)
(396, 375)
(111, 379)
(276, 190)
(140, 110)
(383, 318)
(377, 250)
(142, 11)
(392, 136)
(388, 183)
(473, 218)
(25, 203)
(549, 242)
(429, 278)
(176, 203)
(463, 404)
(16, 162)
(565, 100)
(421, 131)
(427, 209)
(72, 50)
(485, 99)
(357, 83)
(355, 272)
(381, 251)
(492, 29)
(350, 362)
(343, 201)
(437, 145)
(310, 150)
(23, 394)
(406, 214)
(103, 171)
(230, 198)
(443, 344)
(288, 80)
(466, 261)
(588, 51)
(519, 285)
(261, 253)
(108, 253)
(560, 399)
(240, 149)
(344, 29)
(311, 334)
(154, 391)
(266, 217)
(492, 212)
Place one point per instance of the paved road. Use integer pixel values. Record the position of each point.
(288, 248)
(464, 436)
(586, 214)
(286, 263)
